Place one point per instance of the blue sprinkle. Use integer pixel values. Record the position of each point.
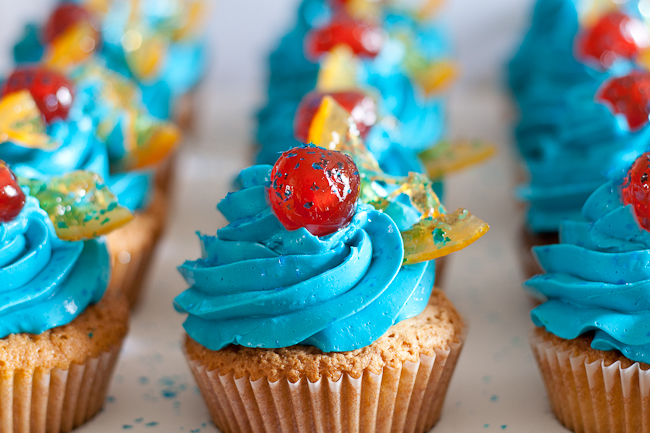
(127, 426)
(151, 424)
(503, 427)
(168, 393)
(110, 399)
(308, 205)
(145, 380)
(494, 398)
(316, 166)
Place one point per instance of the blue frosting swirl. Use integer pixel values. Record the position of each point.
(420, 120)
(569, 141)
(598, 277)
(571, 150)
(260, 285)
(45, 281)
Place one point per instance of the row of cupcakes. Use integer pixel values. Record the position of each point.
(87, 127)
(108, 79)
(581, 81)
(317, 307)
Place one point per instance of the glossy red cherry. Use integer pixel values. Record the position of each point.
(51, 91)
(363, 39)
(12, 197)
(636, 190)
(362, 108)
(630, 96)
(314, 188)
(65, 16)
(615, 35)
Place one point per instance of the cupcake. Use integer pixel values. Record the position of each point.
(94, 125)
(592, 337)
(60, 336)
(300, 308)
(157, 45)
(576, 78)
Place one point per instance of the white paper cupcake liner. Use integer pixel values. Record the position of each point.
(407, 399)
(38, 401)
(591, 396)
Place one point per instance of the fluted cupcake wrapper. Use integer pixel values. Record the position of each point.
(185, 111)
(592, 396)
(166, 172)
(132, 247)
(40, 401)
(407, 399)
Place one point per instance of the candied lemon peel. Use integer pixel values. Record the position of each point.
(22, 123)
(438, 233)
(79, 204)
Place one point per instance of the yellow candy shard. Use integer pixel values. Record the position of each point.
(22, 123)
(156, 140)
(436, 76)
(195, 12)
(338, 70)
(333, 128)
(429, 9)
(329, 125)
(438, 233)
(145, 56)
(432, 76)
(364, 10)
(99, 7)
(589, 11)
(445, 157)
(74, 46)
(437, 237)
(79, 204)
(643, 59)
(419, 190)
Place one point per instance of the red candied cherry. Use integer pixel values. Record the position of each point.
(361, 107)
(65, 16)
(12, 198)
(630, 96)
(314, 188)
(636, 190)
(363, 39)
(51, 91)
(615, 35)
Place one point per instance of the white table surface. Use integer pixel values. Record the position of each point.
(496, 386)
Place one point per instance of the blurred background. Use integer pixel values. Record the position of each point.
(242, 33)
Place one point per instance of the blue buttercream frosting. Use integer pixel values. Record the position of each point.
(571, 150)
(46, 282)
(260, 285)
(598, 277)
(418, 121)
(569, 141)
